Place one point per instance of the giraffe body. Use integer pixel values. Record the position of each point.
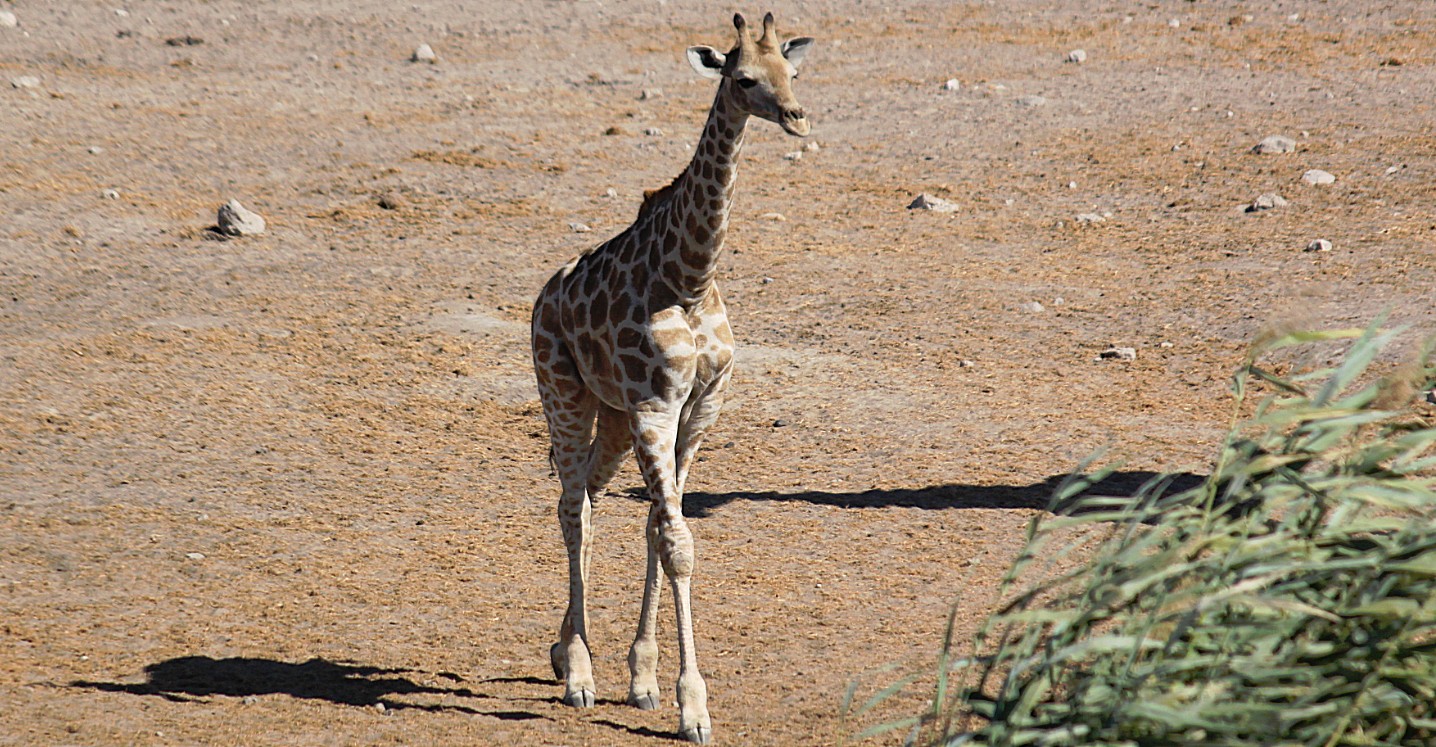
(632, 352)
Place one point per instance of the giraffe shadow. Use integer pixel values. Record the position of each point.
(1038, 495)
(194, 678)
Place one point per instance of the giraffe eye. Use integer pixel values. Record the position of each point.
(747, 82)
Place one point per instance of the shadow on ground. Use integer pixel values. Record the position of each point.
(189, 678)
(1037, 495)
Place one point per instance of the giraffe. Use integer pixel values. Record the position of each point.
(632, 352)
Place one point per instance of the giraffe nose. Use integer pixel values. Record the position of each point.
(795, 121)
(795, 113)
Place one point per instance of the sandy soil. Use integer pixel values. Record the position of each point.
(253, 490)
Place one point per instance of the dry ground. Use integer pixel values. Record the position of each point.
(251, 490)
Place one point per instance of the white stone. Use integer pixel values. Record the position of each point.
(952, 84)
(110, 194)
(1275, 144)
(236, 220)
(653, 132)
(1319, 245)
(1393, 169)
(1119, 354)
(25, 81)
(1032, 101)
(1088, 218)
(796, 155)
(95, 150)
(778, 217)
(935, 204)
(194, 555)
(1267, 202)
(424, 53)
(8, 20)
(1317, 176)
(611, 192)
(580, 227)
(122, 13)
(812, 146)
(1077, 56)
(1033, 307)
(648, 94)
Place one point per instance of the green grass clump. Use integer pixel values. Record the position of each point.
(1289, 599)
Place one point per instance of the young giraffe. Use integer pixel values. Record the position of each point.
(632, 337)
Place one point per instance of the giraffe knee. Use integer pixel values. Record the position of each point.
(675, 549)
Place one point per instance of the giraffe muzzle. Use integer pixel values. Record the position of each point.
(794, 122)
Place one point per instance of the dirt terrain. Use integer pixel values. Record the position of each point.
(292, 489)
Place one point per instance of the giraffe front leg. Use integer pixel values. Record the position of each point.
(655, 436)
(643, 654)
(571, 659)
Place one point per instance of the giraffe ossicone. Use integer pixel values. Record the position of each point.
(632, 352)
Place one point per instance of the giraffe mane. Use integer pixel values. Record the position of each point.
(652, 198)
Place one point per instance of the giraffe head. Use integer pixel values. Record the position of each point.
(759, 73)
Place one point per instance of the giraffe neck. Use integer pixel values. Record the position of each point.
(698, 213)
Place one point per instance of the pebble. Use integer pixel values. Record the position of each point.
(1393, 169)
(424, 53)
(25, 81)
(95, 150)
(8, 20)
(1088, 218)
(1166, 345)
(1319, 245)
(653, 132)
(1032, 101)
(390, 201)
(611, 192)
(1267, 202)
(780, 423)
(765, 281)
(1317, 176)
(649, 94)
(1077, 56)
(250, 699)
(952, 84)
(1033, 307)
(1275, 144)
(194, 555)
(778, 217)
(796, 155)
(965, 364)
(236, 220)
(812, 147)
(928, 202)
(580, 227)
(1119, 354)
(110, 194)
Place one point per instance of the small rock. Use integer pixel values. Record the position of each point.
(8, 20)
(1032, 101)
(780, 423)
(765, 281)
(580, 227)
(965, 364)
(424, 53)
(25, 81)
(615, 130)
(1058, 301)
(1393, 169)
(390, 201)
(95, 150)
(653, 132)
(1275, 144)
(1088, 218)
(1119, 354)
(778, 217)
(110, 194)
(183, 41)
(1077, 56)
(1175, 23)
(1033, 307)
(379, 707)
(952, 84)
(1319, 245)
(1165, 345)
(312, 57)
(122, 13)
(796, 155)
(649, 94)
(250, 699)
(812, 147)
(611, 192)
(928, 202)
(194, 555)
(1267, 201)
(1317, 176)
(236, 220)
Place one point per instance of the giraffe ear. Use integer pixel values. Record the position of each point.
(707, 61)
(794, 50)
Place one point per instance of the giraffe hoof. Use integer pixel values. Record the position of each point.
(644, 702)
(698, 734)
(579, 699)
